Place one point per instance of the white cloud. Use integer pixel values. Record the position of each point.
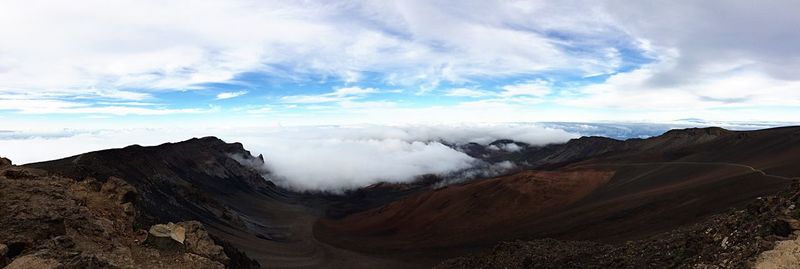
(708, 55)
(116, 95)
(338, 95)
(743, 89)
(151, 45)
(466, 92)
(259, 110)
(65, 56)
(229, 95)
(532, 88)
(345, 157)
(24, 105)
(512, 95)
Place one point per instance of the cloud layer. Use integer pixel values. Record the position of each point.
(336, 158)
(321, 158)
(347, 157)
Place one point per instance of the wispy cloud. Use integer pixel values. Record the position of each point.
(259, 110)
(466, 92)
(229, 95)
(532, 88)
(338, 95)
(55, 106)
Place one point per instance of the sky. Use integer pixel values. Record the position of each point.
(87, 64)
(74, 68)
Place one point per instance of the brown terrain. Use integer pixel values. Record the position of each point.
(445, 218)
(55, 222)
(656, 185)
(692, 198)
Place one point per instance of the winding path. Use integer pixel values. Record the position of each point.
(752, 169)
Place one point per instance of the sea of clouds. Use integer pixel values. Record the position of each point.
(336, 158)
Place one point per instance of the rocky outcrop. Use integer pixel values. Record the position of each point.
(4, 162)
(199, 242)
(51, 221)
(189, 237)
(175, 232)
(175, 181)
(3, 252)
(785, 255)
(199, 179)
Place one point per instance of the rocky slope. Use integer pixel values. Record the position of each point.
(176, 181)
(51, 221)
(738, 238)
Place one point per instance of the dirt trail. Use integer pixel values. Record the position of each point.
(752, 169)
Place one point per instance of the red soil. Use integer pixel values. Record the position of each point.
(466, 213)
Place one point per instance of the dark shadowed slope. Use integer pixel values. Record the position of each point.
(658, 184)
(176, 181)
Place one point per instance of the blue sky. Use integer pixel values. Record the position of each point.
(126, 64)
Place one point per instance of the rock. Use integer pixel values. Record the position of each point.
(3, 252)
(168, 237)
(171, 230)
(50, 221)
(786, 255)
(780, 227)
(119, 190)
(5, 162)
(32, 261)
(793, 224)
(199, 242)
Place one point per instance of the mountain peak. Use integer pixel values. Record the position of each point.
(172, 173)
(707, 131)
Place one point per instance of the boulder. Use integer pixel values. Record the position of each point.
(168, 237)
(199, 242)
(5, 162)
(189, 237)
(174, 231)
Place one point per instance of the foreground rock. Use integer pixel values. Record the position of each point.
(55, 222)
(786, 255)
